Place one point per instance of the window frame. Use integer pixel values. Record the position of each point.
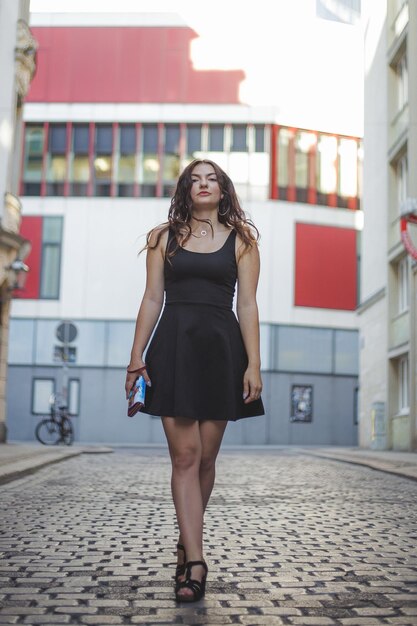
(35, 379)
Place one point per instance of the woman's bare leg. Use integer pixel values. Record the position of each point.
(211, 435)
(183, 436)
(193, 448)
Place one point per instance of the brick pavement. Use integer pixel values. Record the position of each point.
(290, 539)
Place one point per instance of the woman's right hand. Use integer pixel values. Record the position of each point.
(130, 378)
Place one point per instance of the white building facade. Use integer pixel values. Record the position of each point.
(387, 314)
(104, 144)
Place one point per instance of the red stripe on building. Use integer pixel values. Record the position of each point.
(125, 64)
(31, 228)
(325, 267)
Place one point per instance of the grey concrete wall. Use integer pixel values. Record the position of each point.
(103, 418)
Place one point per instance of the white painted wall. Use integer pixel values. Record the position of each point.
(375, 185)
(103, 278)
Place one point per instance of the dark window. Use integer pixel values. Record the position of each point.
(239, 143)
(260, 138)
(57, 138)
(80, 138)
(150, 138)
(127, 139)
(104, 139)
(33, 164)
(216, 138)
(193, 138)
(172, 138)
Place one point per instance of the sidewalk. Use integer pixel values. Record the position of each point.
(18, 459)
(393, 462)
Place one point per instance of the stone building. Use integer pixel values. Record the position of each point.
(17, 67)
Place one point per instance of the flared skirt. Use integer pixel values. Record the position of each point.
(196, 361)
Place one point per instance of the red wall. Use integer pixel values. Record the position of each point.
(325, 267)
(31, 228)
(125, 64)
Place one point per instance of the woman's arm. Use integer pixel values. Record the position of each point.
(247, 311)
(150, 307)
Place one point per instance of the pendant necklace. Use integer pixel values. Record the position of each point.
(203, 233)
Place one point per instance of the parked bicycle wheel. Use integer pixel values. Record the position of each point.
(67, 433)
(48, 432)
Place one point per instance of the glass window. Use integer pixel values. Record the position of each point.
(103, 161)
(56, 175)
(150, 160)
(260, 138)
(127, 139)
(32, 171)
(346, 356)
(57, 162)
(403, 384)
(239, 138)
(402, 82)
(51, 257)
(304, 143)
(348, 168)
(171, 168)
(80, 165)
(402, 180)
(126, 175)
(73, 396)
(216, 138)
(150, 138)
(104, 139)
(302, 349)
(42, 389)
(172, 139)
(284, 138)
(403, 285)
(193, 140)
(80, 175)
(81, 138)
(103, 168)
(57, 138)
(326, 164)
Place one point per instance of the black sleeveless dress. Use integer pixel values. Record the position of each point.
(196, 358)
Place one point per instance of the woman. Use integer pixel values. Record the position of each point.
(202, 365)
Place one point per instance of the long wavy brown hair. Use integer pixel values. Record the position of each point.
(230, 212)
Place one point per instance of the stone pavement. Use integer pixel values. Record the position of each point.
(291, 538)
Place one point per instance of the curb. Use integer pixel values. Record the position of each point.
(406, 470)
(32, 463)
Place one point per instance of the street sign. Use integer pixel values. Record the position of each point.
(66, 332)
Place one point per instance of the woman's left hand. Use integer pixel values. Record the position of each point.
(252, 384)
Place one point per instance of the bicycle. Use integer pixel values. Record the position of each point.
(57, 428)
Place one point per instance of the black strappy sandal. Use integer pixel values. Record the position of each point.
(180, 570)
(197, 587)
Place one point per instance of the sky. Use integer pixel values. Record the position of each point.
(310, 70)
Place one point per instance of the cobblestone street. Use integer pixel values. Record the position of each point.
(290, 539)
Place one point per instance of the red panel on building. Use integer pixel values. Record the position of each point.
(325, 267)
(31, 228)
(125, 64)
